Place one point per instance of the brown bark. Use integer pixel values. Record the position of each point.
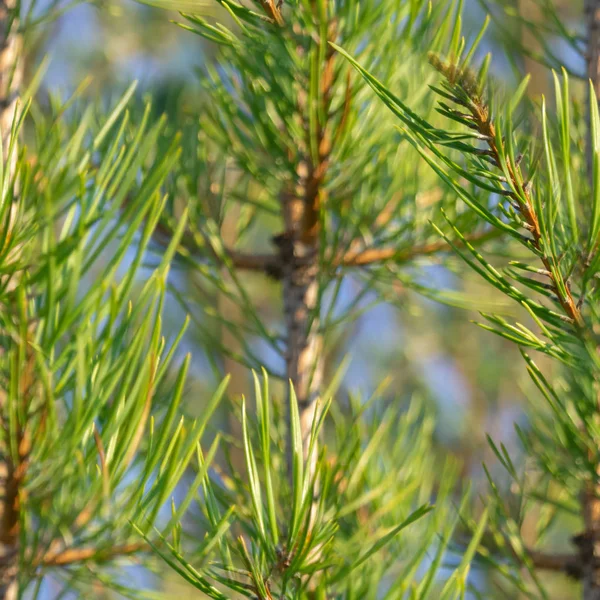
(10, 473)
(304, 359)
(299, 249)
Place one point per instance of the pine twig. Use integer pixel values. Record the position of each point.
(273, 11)
(568, 563)
(70, 556)
(369, 256)
(484, 125)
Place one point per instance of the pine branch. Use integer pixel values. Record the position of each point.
(482, 122)
(273, 11)
(300, 243)
(566, 563)
(272, 264)
(586, 564)
(370, 256)
(569, 564)
(265, 263)
(71, 556)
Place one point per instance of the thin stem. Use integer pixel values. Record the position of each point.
(569, 564)
(369, 256)
(560, 287)
(70, 556)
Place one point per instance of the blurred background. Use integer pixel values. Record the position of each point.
(475, 382)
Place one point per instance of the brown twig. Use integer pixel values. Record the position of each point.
(370, 256)
(271, 264)
(265, 263)
(70, 556)
(299, 246)
(570, 564)
(272, 11)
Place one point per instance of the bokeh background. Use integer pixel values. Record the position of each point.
(475, 382)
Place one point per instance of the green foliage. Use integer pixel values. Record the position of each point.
(353, 525)
(92, 395)
(89, 378)
(277, 100)
(81, 364)
(535, 188)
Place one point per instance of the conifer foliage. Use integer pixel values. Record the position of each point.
(533, 173)
(292, 171)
